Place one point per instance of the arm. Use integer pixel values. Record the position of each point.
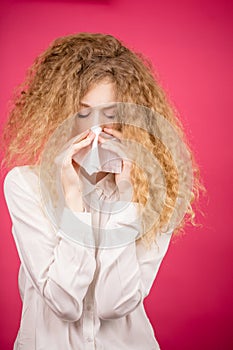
(59, 269)
(127, 273)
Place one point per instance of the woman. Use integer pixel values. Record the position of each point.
(80, 296)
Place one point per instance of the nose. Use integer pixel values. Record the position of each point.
(98, 118)
(91, 118)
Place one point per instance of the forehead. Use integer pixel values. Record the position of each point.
(100, 93)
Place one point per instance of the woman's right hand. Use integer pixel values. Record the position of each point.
(69, 172)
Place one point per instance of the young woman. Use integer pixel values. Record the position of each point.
(76, 293)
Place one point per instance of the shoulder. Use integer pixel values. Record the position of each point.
(158, 247)
(24, 177)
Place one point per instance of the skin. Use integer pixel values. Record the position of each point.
(103, 93)
(100, 94)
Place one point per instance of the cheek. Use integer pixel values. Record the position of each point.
(82, 124)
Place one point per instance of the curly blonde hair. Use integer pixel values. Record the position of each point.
(52, 91)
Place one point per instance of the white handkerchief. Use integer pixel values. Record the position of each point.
(94, 158)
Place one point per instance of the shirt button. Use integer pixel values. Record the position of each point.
(88, 307)
(89, 339)
(99, 191)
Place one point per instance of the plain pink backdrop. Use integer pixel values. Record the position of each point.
(190, 44)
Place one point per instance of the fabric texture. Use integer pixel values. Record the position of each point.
(76, 297)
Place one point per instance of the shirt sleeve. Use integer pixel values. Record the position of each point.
(59, 269)
(126, 274)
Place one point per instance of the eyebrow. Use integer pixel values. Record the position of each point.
(83, 104)
(108, 105)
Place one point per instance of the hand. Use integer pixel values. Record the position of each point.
(123, 180)
(69, 172)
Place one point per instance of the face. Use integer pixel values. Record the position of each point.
(97, 107)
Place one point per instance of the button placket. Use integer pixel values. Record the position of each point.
(88, 321)
(96, 202)
(89, 307)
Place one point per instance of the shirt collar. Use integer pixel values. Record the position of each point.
(106, 185)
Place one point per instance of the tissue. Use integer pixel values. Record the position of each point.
(94, 158)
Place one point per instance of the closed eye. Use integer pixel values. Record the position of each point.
(110, 112)
(109, 116)
(84, 113)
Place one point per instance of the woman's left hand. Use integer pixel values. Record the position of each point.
(123, 180)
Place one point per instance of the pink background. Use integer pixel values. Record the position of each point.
(190, 45)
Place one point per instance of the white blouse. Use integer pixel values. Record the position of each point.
(75, 297)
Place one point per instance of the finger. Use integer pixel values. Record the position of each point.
(114, 132)
(73, 145)
(102, 139)
(83, 135)
(76, 147)
(116, 147)
(83, 143)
